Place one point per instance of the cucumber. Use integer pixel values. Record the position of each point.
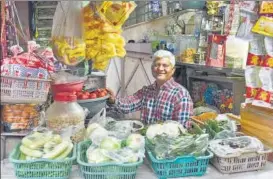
(57, 139)
(58, 149)
(22, 156)
(66, 152)
(30, 152)
(50, 145)
(36, 140)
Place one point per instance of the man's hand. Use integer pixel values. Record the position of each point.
(112, 96)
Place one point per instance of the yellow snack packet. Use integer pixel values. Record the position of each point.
(116, 13)
(264, 26)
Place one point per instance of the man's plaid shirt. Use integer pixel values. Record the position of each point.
(171, 102)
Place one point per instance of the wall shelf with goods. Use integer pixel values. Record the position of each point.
(44, 12)
(230, 79)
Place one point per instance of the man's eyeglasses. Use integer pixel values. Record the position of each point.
(165, 66)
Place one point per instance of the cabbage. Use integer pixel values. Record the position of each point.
(98, 135)
(172, 129)
(110, 143)
(96, 155)
(135, 142)
(153, 130)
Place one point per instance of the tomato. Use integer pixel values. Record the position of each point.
(105, 91)
(92, 95)
(101, 94)
(86, 93)
(79, 93)
(74, 92)
(79, 96)
(85, 96)
(99, 90)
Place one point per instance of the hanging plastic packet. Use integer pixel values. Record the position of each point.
(236, 52)
(247, 21)
(264, 26)
(248, 6)
(266, 8)
(213, 7)
(216, 50)
(233, 12)
(116, 13)
(263, 99)
(268, 42)
(256, 46)
(68, 45)
(252, 70)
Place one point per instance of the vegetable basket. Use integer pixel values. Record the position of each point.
(41, 168)
(179, 167)
(104, 170)
(248, 161)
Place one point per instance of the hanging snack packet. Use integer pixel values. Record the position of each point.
(268, 43)
(216, 50)
(256, 45)
(253, 82)
(248, 5)
(116, 13)
(247, 20)
(264, 99)
(68, 45)
(264, 26)
(266, 8)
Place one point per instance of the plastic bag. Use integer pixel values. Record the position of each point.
(75, 133)
(233, 147)
(164, 147)
(68, 45)
(119, 129)
(225, 134)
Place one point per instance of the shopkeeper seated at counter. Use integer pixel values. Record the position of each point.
(164, 99)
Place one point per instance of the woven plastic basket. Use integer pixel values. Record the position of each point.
(105, 170)
(41, 168)
(23, 90)
(180, 166)
(242, 163)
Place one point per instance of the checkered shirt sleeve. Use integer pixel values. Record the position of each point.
(130, 103)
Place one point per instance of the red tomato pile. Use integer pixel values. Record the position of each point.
(99, 93)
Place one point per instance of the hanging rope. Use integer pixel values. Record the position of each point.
(3, 30)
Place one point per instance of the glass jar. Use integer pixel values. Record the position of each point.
(66, 113)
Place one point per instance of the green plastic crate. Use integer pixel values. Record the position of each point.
(179, 167)
(106, 170)
(41, 168)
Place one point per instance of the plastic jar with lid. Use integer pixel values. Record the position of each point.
(65, 112)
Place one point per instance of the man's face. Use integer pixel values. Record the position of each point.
(162, 70)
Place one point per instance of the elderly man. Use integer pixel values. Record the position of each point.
(164, 99)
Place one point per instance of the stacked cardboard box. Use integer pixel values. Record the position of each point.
(258, 122)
